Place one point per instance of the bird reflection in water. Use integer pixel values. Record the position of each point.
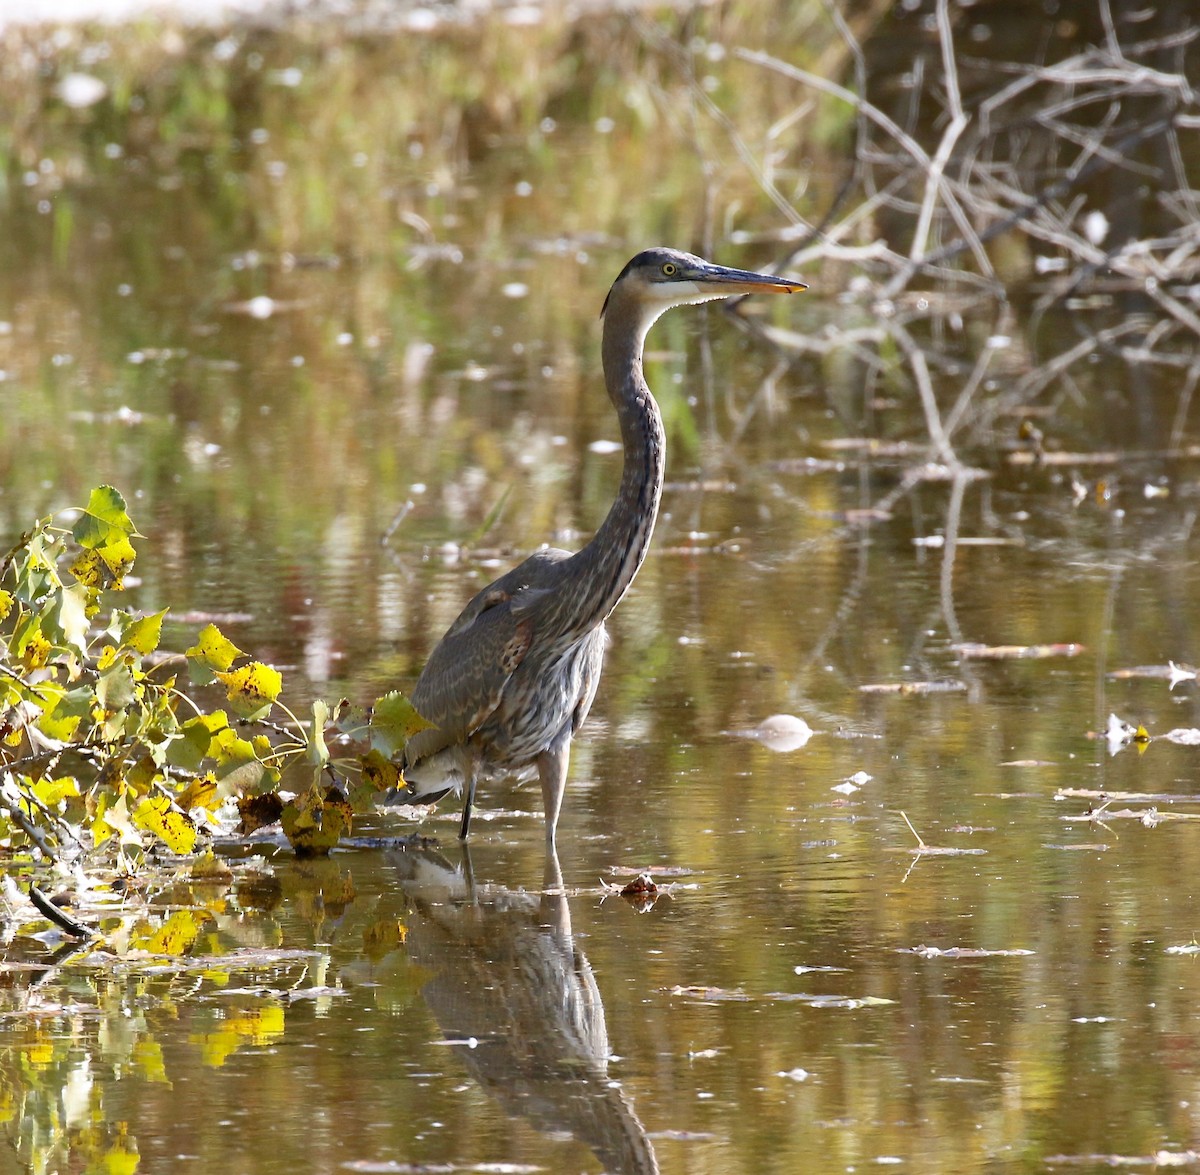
(509, 979)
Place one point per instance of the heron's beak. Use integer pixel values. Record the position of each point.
(725, 282)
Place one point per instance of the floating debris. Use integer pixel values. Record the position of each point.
(925, 952)
(924, 849)
(796, 1074)
(974, 651)
(779, 732)
(714, 995)
(913, 688)
(1172, 672)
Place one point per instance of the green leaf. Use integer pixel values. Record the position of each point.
(378, 772)
(64, 713)
(239, 768)
(115, 689)
(28, 643)
(212, 653)
(104, 520)
(252, 689)
(195, 740)
(394, 720)
(72, 619)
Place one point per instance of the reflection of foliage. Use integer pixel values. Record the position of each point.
(99, 743)
(196, 963)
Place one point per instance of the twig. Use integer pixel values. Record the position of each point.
(60, 919)
(905, 140)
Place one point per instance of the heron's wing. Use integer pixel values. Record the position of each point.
(465, 676)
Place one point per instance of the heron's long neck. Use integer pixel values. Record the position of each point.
(606, 566)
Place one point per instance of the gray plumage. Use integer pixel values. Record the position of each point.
(514, 677)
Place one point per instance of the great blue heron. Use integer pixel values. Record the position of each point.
(514, 677)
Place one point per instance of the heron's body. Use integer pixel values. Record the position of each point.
(514, 677)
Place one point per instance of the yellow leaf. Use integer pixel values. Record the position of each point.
(119, 1161)
(52, 792)
(157, 815)
(36, 650)
(6, 603)
(252, 689)
(212, 653)
(143, 634)
(113, 820)
(104, 567)
(200, 793)
(315, 822)
(378, 772)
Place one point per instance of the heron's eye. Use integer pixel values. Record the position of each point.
(670, 269)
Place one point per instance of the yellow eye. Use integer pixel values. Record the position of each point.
(670, 269)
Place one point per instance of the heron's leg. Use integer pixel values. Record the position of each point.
(468, 803)
(552, 771)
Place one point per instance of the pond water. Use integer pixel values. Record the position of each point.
(324, 306)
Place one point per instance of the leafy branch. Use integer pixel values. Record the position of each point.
(102, 749)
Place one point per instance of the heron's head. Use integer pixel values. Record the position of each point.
(657, 279)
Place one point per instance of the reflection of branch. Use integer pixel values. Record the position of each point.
(920, 370)
(946, 579)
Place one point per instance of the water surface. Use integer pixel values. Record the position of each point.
(318, 305)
